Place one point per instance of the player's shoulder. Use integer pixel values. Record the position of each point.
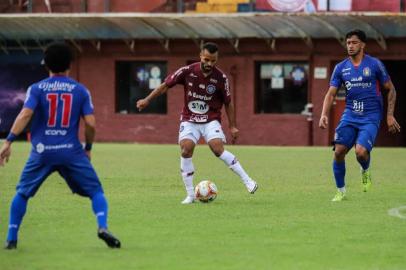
(220, 74)
(372, 60)
(345, 62)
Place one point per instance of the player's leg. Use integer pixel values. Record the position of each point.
(343, 141)
(33, 175)
(215, 138)
(366, 138)
(189, 135)
(83, 180)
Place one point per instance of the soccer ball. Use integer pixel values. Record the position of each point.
(206, 191)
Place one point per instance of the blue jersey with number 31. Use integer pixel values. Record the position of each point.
(58, 103)
(364, 102)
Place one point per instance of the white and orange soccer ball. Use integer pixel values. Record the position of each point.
(206, 191)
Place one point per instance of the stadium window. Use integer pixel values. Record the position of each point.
(135, 80)
(281, 87)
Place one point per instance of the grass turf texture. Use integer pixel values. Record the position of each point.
(289, 223)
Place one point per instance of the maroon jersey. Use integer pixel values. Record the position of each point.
(204, 96)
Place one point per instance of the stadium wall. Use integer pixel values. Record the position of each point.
(256, 129)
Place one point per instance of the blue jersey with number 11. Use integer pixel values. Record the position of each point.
(58, 103)
(364, 102)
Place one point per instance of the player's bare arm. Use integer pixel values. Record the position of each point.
(393, 125)
(328, 102)
(231, 121)
(19, 125)
(143, 103)
(90, 132)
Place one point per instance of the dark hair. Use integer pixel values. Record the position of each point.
(356, 32)
(211, 47)
(58, 56)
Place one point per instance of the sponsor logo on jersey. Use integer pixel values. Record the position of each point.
(202, 86)
(345, 69)
(350, 85)
(193, 75)
(190, 84)
(56, 132)
(40, 148)
(57, 86)
(198, 106)
(210, 89)
(197, 96)
(213, 80)
(356, 79)
(199, 118)
(366, 72)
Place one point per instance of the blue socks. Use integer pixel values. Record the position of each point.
(17, 212)
(339, 173)
(99, 205)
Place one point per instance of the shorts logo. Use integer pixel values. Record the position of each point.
(40, 148)
(366, 72)
(210, 89)
(182, 128)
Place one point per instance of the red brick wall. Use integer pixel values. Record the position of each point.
(256, 129)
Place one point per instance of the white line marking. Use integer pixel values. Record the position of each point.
(396, 212)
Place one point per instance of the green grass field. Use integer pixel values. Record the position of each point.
(289, 223)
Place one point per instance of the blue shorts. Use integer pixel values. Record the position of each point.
(77, 171)
(350, 133)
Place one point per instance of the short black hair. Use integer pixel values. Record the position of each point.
(356, 32)
(58, 57)
(211, 47)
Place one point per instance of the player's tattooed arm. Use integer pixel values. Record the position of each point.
(328, 102)
(393, 125)
(143, 103)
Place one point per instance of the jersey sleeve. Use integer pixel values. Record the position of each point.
(87, 105)
(336, 80)
(178, 77)
(32, 98)
(381, 73)
(226, 91)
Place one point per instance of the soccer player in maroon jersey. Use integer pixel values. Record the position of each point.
(206, 90)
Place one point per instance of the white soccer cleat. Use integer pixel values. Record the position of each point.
(188, 200)
(252, 186)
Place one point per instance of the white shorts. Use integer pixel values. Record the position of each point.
(193, 131)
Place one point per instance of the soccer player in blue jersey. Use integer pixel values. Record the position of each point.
(363, 76)
(55, 106)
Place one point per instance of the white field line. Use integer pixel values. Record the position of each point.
(396, 212)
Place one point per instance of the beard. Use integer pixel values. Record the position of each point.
(206, 68)
(354, 52)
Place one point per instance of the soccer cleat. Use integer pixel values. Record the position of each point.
(339, 196)
(188, 200)
(366, 180)
(10, 245)
(109, 238)
(252, 187)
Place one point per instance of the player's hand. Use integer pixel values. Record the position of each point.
(323, 123)
(393, 125)
(5, 152)
(234, 134)
(142, 103)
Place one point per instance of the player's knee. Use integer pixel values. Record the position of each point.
(361, 154)
(186, 152)
(339, 155)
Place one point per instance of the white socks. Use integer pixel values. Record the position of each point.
(187, 171)
(231, 161)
